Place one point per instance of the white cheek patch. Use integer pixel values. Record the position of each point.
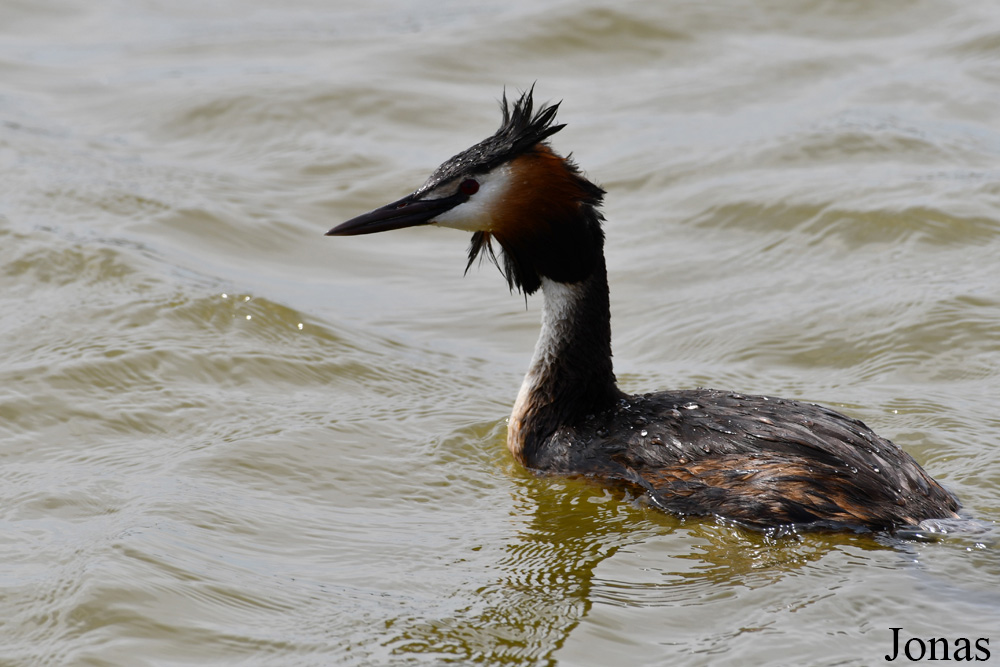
(477, 214)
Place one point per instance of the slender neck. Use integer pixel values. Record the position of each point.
(571, 374)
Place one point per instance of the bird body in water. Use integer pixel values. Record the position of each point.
(761, 461)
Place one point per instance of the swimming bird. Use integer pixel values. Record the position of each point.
(761, 461)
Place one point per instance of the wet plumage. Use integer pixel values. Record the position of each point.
(758, 460)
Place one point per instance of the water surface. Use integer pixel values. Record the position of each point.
(225, 439)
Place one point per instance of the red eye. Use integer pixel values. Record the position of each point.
(469, 187)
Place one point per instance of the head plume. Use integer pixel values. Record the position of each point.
(564, 238)
(520, 130)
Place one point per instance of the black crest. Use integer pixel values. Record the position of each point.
(520, 130)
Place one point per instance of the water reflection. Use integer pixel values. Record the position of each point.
(581, 545)
(543, 583)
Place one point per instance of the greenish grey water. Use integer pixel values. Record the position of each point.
(225, 439)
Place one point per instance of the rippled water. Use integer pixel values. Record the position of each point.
(225, 439)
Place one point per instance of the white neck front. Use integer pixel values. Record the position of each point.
(570, 372)
(558, 306)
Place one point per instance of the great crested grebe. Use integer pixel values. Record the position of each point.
(761, 461)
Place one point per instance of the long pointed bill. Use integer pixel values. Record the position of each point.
(407, 212)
